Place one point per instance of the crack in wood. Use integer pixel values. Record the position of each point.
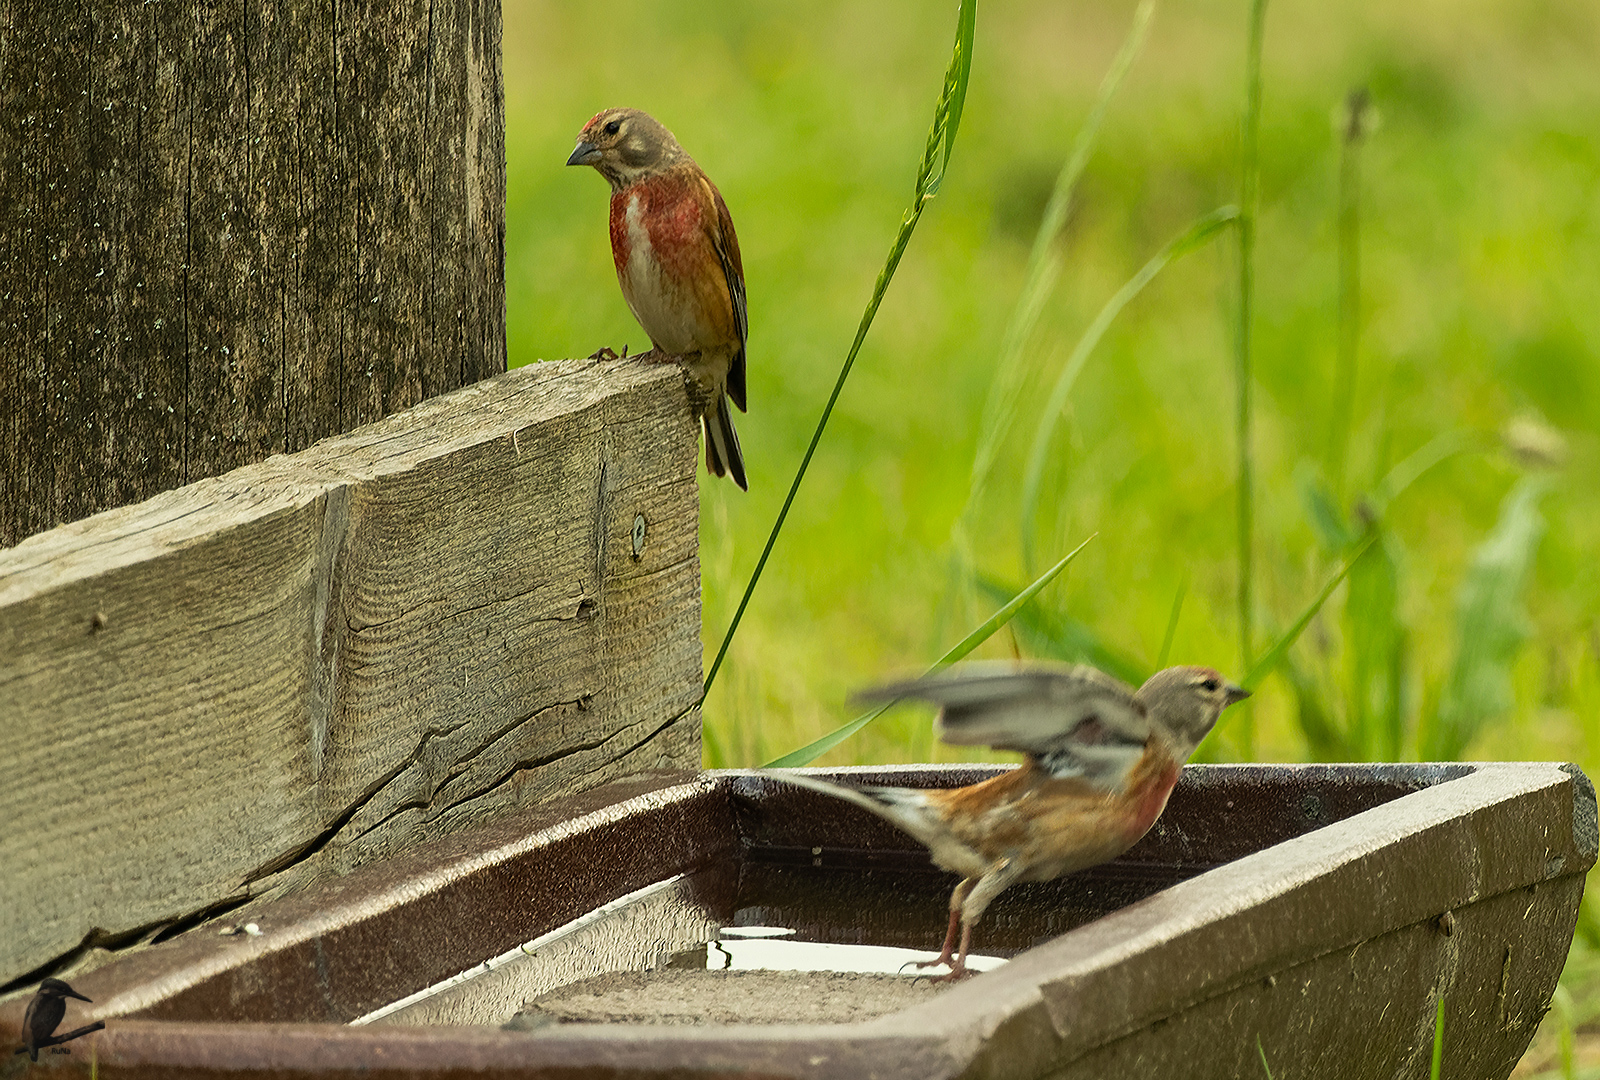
(287, 767)
(151, 933)
(302, 852)
(463, 764)
(523, 766)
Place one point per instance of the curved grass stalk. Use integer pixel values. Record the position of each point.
(813, 750)
(935, 159)
(1044, 266)
(1274, 656)
(1191, 238)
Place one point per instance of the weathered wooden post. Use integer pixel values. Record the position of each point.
(227, 234)
(227, 231)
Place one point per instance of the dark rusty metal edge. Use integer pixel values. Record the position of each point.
(1101, 982)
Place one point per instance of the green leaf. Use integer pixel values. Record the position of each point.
(1061, 637)
(1438, 1041)
(1044, 266)
(1491, 626)
(1436, 451)
(1322, 735)
(1322, 510)
(1191, 238)
(1274, 656)
(811, 751)
(1377, 654)
(1172, 623)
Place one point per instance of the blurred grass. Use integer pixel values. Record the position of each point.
(1481, 230)
(1471, 624)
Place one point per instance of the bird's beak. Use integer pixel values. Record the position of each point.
(1235, 694)
(73, 993)
(584, 154)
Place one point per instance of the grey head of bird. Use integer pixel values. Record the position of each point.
(626, 146)
(1186, 701)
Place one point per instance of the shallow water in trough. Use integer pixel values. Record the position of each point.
(763, 920)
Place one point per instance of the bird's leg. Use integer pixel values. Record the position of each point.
(974, 902)
(959, 969)
(946, 955)
(604, 353)
(957, 898)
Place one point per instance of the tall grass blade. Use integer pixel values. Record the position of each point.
(1377, 653)
(1191, 238)
(1263, 1053)
(1353, 128)
(1061, 637)
(1438, 1041)
(1490, 625)
(1419, 462)
(930, 174)
(1562, 1004)
(1274, 656)
(1327, 520)
(1044, 266)
(811, 751)
(1324, 737)
(1244, 373)
(1172, 624)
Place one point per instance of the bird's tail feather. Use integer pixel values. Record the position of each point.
(901, 807)
(722, 444)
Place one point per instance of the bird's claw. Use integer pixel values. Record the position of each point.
(958, 968)
(604, 353)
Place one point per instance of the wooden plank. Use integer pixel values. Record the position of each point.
(312, 662)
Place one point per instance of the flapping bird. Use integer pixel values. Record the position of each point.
(1101, 760)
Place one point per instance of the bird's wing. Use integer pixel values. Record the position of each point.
(1075, 720)
(726, 243)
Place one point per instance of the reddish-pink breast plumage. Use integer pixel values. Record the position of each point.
(677, 261)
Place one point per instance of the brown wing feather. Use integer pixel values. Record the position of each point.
(726, 243)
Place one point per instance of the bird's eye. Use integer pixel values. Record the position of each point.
(613, 127)
(1211, 686)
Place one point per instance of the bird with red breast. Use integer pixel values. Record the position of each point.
(677, 259)
(1101, 760)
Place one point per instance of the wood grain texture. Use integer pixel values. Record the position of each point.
(315, 661)
(227, 231)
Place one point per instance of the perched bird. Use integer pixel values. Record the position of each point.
(44, 1015)
(678, 262)
(1101, 761)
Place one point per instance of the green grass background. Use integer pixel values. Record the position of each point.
(1481, 288)
(1480, 259)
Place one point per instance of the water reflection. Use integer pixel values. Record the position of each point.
(780, 915)
(729, 953)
